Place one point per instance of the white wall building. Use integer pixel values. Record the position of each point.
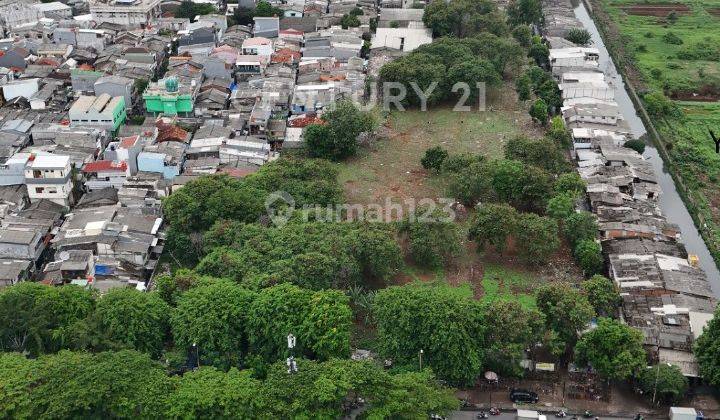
(126, 12)
(49, 177)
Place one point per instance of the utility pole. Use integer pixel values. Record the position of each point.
(197, 354)
(421, 355)
(291, 363)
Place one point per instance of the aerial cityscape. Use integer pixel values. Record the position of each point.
(341, 209)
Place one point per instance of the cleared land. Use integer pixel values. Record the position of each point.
(689, 73)
(392, 169)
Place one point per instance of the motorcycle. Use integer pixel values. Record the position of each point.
(561, 414)
(587, 414)
(494, 411)
(481, 415)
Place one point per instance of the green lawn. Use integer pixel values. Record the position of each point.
(506, 284)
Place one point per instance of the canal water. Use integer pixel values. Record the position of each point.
(670, 202)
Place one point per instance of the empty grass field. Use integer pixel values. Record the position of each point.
(392, 169)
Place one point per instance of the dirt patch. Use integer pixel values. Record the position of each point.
(715, 11)
(706, 93)
(656, 9)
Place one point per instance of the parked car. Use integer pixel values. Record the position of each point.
(523, 396)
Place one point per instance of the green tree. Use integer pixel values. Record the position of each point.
(578, 36)
(33, 316)
(588, 254)
(664, 380)
(523, 35)
(539, 111)
(493, 224)
(613, 349)
(349, 21)
(464, 18)
(311, 270)
(265, 9)
(243, 16)
(561, 206)
(189, 9)
(473, 72)
(559, 133)
(659, 106)
(524, 12)
(603, 295)
(433, 243)
(170, 286)
(542, 153)
(707, 350)
(213, 316)
(443, 323)
(337, 140)
(421, 68)
(320, 321)
(540, 53)
(510, 329)
(566, 310)
(225, 262)
(570, 183)
(523, 88)
(136, 319)
(211, 393)
(209, 198)
(140, 85)
(636, 145)
(434, 158)
(536, 238)
(124, 384)
(580, 226)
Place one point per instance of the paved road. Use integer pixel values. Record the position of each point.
(471, 415)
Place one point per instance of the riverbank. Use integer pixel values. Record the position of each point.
(690, 161)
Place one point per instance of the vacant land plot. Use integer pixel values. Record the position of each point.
(392, 169)
(678, 52)
(500, 283)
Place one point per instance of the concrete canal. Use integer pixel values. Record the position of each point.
(670, 201)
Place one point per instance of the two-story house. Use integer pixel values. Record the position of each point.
(49, 177)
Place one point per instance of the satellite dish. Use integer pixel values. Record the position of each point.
(64, 256)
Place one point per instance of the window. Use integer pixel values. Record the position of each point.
(52, 190)
(39, 190)
(37, 174)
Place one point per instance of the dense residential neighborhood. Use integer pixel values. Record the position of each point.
(342, 209)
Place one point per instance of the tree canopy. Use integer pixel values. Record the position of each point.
(664, 380)
(707, 350)
(336, 138)
(613, 349)
(128, 384)
(567, 310)
(446, 325)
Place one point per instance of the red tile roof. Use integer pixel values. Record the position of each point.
(169, 132)
(126, 142)
(104, 166)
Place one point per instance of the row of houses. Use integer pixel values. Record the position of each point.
(103, 114)
(664, 293)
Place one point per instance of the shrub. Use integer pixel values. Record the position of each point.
(673, 39)
(636, 145)
(434, 158)
(578, 36)
(588, 254)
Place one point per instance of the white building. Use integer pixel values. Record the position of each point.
(15, 13)
(49, 177)
(257, 46)
(402, 39)
(55, 8)
(126, 12)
